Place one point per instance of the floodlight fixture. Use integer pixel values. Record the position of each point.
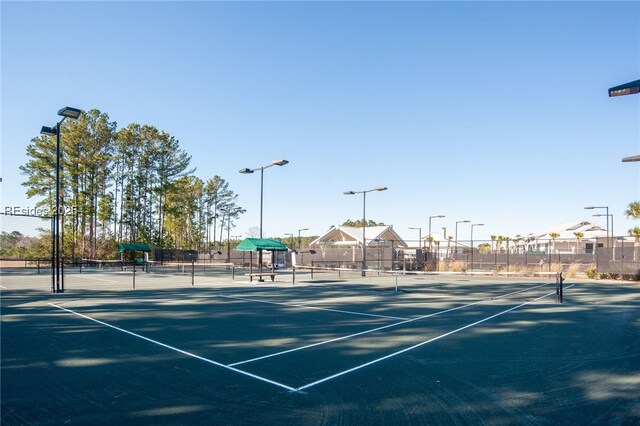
(49, 131)
(279, 162)
(246, 171)
(630, 88)
(69, 112)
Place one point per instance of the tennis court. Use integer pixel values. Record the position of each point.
(337, 348)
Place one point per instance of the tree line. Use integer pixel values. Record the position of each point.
(131, 184)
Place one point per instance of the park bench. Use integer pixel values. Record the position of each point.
(261, 275)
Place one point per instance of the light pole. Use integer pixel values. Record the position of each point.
(299, 240)
(249, 171)
(607, 215)
(457, 222)
(66, 112)
(227, 213)
(364, 223)
(630, 88)
(290, 235)
(472, 225)
(431, 236)
(236, 238)
(607, 209)
(419, 236)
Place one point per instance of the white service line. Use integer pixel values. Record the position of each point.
(317, 382)
(97, 279)
(289, 388)
(309, 307)
(380, 328)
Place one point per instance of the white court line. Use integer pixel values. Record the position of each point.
(309, 307)
(98, 279)
(3, 287)
(289, 388)
(317, 382)
(380, 328)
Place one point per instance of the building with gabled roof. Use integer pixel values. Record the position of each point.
(342, 245)
(566, 241)
(351, 236)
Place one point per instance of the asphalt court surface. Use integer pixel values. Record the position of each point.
(297, 336)
(306, 348)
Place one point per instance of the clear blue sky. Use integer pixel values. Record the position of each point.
(496, 112)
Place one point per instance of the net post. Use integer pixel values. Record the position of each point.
(193, 272)
(233, 271)
(293, 275)
(559, 280)
(134, 275)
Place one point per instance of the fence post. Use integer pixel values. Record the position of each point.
(597, 263)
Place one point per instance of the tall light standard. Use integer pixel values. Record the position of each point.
(290, 235)
(419, 245)
(299, 240)
(607, 209)
(457, 222)
(472, 225)
(631, 88)
(431, 236)
(419, 236)
(66, 112)
(249, 171)
(607, 215)
(364, 223)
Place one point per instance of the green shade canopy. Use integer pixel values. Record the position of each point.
(256, 244)
(133, 247)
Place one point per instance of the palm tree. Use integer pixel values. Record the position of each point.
(635, 232)
(553, 236)
(633, 211)
(578, 236)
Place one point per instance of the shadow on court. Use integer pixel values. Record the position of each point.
(545, 363)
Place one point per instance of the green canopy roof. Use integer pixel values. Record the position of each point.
(133, 247)
(255, 244)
